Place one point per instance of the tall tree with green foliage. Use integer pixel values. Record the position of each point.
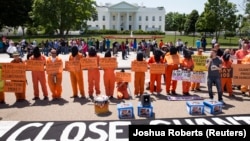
(189, 26)
(62, 15)
(174, 21)
(218, 15)
(15, 13)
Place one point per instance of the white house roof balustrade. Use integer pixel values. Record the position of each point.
(123, 7)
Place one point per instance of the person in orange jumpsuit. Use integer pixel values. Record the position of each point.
(156, 58)
(172, 61)
(187, 64)
(39, 76)
(19, 96)
(76, 77)
(122, 89)
(194, 85)
(227, 81)
(94, 75)
(55, 79)
(139, 80)
(109, 78)
(245, 88)
(2, 95)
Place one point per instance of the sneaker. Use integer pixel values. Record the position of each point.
(91, 97)
(173, 92)
(74, 96)
(111, 97)
(45, 98)
(83, 97)
(35, 98)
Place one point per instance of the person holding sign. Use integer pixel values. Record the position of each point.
(39, 76)
(122, 91)
(226, 75)
(2, 95)
(55, 78)
(94, 75)
(172, 61)
(187, 64)
(214, 65)
(195, 85)
(139, 80)
(109, 78)
(155, 59)
(76, 77)
(19, 96)
(245, 88)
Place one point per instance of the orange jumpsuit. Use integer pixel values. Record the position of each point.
(76, 77)
(109, 81)
(39, 76)
(245, 60)
(20, 96)
(55, 80)
(188, 64)
(122, 91)
(2, 96)
(227, 81)
(139, 82)
(194, 85)
(171, 65)
(154, 78)
(94, 79)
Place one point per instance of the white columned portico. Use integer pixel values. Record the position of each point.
(135, 27)
(118, 21)
(127, 21)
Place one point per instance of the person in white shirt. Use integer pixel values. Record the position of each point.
(11, 49)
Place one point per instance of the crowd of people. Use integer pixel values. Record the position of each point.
(163, 53)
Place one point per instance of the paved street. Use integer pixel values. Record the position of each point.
(68, 109)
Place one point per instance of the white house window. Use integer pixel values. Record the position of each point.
(159, 27)
(139, 18)
(114, 27)
(113, 18)
(130, 18)
(96, 26)
(153, 26)
(121, 18)
(160, 18)
(146, 27)
(103, 27)
(146, 18)
(139, 27)
(103, 18)
(153, 18)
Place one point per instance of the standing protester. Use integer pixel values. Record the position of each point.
(94, 75)
(195, 85)
(109, 78)
(19, 96)
(227, 81)
(11, 49)
(39, 76)
(55, 79)
(214, 65)
(213, 42)
(76, 77)
(139, 80)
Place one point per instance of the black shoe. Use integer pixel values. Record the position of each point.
(83, 97)
(173, 93)
(45, 98)
(35, 98)
(2, 102)
(91, 97)
(74, 96)
(111, 97)
(198, 89)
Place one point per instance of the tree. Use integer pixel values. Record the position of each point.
(62, 15)
(191, 21)
(174, 21)
(15, 13)
(218, 15)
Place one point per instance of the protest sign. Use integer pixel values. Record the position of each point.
(139, 66)
(123, 77)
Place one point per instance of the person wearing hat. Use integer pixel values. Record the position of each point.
(187, 64)
(2, 94)
(195, 85)
(19, 96)
(55, 79)
(76, 77)
(109, 78)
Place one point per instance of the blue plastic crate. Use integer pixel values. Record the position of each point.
(145, 111)
(212, 106)
(125, 110)
(195, 107)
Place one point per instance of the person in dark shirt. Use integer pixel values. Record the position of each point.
(219, 51)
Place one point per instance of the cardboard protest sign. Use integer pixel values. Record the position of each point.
(55, 67)
(157, 68)
(226, 73)
(199, 62)
(89, 63)
(35, 65)
(108, 62)
(123, 77)
(186, 75)
(73, 66)
(13, 71)
(139, 66)
(12, 86)
(177, 75)
(173, 59)
(198, 77)
(241, 74)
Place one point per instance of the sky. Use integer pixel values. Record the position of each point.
(180, 6)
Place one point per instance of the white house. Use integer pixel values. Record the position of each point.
(126, 16)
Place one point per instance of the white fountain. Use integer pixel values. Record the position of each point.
(131, 34)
